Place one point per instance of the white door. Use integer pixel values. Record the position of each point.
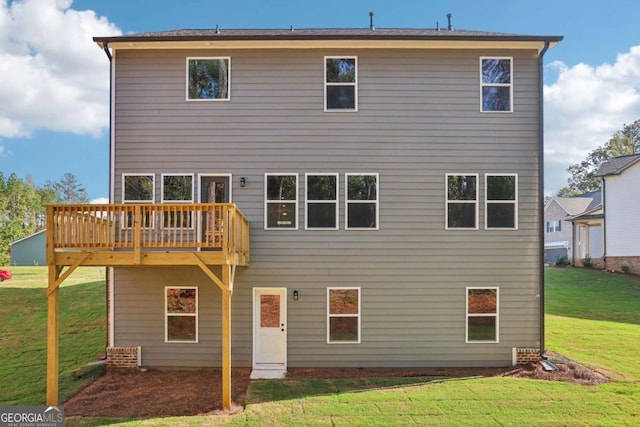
(270, 327)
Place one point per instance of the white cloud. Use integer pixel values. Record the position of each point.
(583, 109)
(100, 201)
(54, 77)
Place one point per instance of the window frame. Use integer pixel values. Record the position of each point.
(307, 201)
(447, 201)
(358, 315)
(488, 201)
(153, 186)
(554, 226)
(509, 85)
(189, 58)
(468, 315)
(167, 314)
(354, 84)
(163, 200)
(126, 220)
(347, 201)
(267, 201)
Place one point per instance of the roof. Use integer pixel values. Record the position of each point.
(28, 237)
(573, 205)
(616, 165)
(419, 34)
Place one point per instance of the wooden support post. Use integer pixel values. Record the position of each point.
(137, 236)
(226, 339)
(53, 337)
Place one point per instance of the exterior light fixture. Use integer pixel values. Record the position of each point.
(243, 182)
(295, 295)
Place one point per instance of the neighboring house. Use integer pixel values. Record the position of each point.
(30, 250)
(572, 228)
(390, 179)
(621, 204)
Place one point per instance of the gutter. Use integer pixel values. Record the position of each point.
(541, 193)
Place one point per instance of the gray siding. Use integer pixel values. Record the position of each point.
(30, 250)
(418, 119)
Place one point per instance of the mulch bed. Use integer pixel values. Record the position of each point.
(133, 393)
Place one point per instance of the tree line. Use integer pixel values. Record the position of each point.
(22, 211)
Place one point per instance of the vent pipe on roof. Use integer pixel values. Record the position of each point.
(291, 27)
(371, 26)
(217, 29)
(449, 27)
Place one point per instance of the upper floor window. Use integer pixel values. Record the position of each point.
(553, 226)
(496, 82)
(281, 201)
(341, 83)
(501, 204)
(137, 188)
(322, 201)
(177, 188)
(208, 79)
(361, 201)
(462, 202)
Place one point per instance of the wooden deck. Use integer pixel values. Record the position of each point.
(201, 235)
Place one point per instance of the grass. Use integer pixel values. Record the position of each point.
(593, 317)
(23, 337)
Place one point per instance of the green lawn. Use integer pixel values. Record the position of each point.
(23, 333)
(593, 317)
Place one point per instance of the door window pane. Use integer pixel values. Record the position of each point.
(270, 311)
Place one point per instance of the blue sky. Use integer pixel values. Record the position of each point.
(54, 85)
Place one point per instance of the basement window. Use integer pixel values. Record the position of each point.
(496, 84)
(209, 79)
(341, 83)
(343, 315)
(482, 315)
(181, 314)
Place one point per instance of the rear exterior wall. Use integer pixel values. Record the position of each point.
(419, 118)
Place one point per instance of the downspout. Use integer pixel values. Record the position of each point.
(109, 270)
(604, 224)
(541, 191)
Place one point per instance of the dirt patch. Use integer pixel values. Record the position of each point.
(133, 393)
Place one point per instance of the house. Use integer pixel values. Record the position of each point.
(29, 250)
(620, 205)
(389, 179)
(572, 228)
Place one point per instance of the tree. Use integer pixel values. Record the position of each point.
(69, 190)
(582, 180)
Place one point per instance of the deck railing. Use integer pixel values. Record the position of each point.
(199, 226)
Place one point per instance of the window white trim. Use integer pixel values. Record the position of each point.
(307, 201)
(163, 200)
(496, 315)
(153, 184)
(488, 201)
(354, 84)
(186, 94)
(358, 315)
(554, 226)
(267, 202)
(167, 314)
(447, 201)
(509, 85)
(348, 202)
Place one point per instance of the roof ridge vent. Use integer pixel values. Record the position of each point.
(371, 26)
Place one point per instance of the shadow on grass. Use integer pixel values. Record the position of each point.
(261, 391)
